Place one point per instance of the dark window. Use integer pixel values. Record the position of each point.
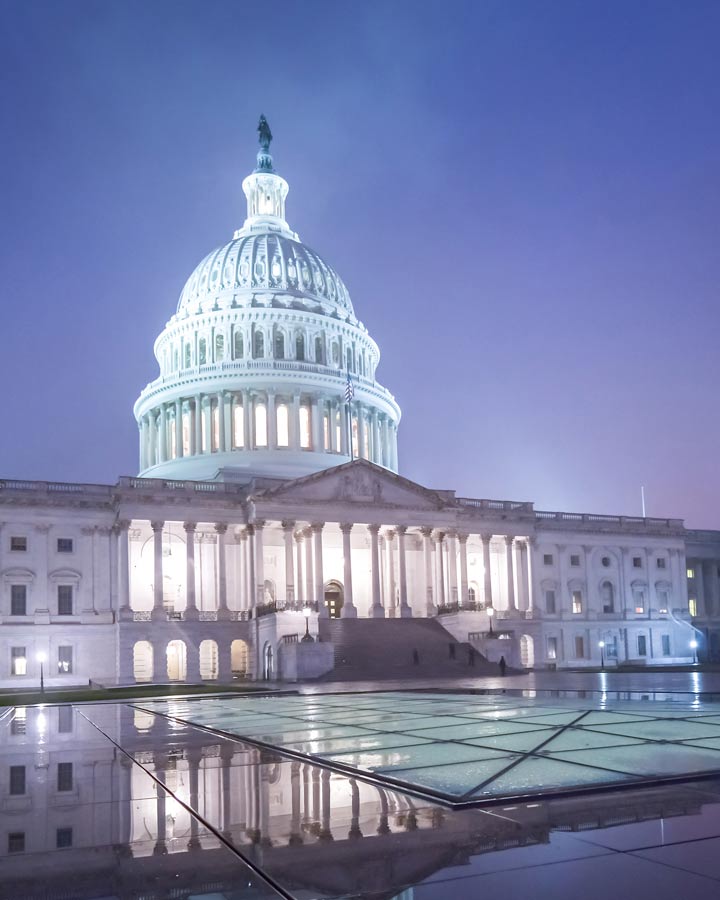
(642, 645)
(279, 346)
(16, 842)
(18, 543)
(65, 660)
(65, 719)
(65, 776)
(547, 559)
(258, 345)
(574, 560)
(63, 838)
(661, 563)
(606, 561)
(300, 347)
(665, 644)
(637, 562)
(17, 780)
(550, 601)
(18, 600)
(65, 600)
(64, 545)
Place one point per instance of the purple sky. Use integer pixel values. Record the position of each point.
(523, 199)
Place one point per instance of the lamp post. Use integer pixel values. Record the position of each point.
(41, 659)
(601, 645)
(307, 637)
(490, 612)
(694, 646)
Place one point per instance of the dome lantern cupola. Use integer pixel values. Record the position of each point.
(255, 363)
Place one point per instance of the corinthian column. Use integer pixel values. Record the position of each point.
(323, 611)
(376, 610)
(452, 567)
(427, 552)
(223, 611)
(462, 538)
(287, 528)
(349, 611)
(191, 610)
(487, 587)
(405, 610)
(510, 572)
(158, 611)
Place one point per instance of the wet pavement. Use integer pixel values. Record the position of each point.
(115, 801)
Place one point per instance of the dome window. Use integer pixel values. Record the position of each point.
(238, 345)
(292, 271)
(319, 351)
(283, 425)
(305, 426)
(279, 348)
(238, 425)
(300, 347)
(219, 348)
(259, 345)
(276, 269)
(187, 360)
(260, 425)
(202, 352)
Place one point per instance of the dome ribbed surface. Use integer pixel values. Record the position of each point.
(263, 262)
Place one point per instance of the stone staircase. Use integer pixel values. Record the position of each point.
(376, 649)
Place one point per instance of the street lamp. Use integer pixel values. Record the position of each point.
(41, 659)
(491, 613)
(694, 646)
(307, 637)
(601, 645)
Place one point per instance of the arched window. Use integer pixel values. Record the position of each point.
(279, 350)
(336, 353)
(607, 596)
(259, 345)
(238, 425)
(239, 658)
(202, 352)
(219, 348)
(186, 432)
(208, 652)
(305, 426)
(319, 350)
(187, 356)
(238, 349)
(348, 359)
(260, 425)
(300, 347)
(215, 415)
(176, 360)
(176, 661)
(283, 425)
(143, 661)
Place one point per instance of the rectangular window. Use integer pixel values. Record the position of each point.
(65, 719)
(550, 601)
(65, 600)
(185, 418)
(547, 559)
(18, 543)
(238, 425)
(18, 600)
(611, 648)
(17, 780)
(64, 545)
(65, 660)
(664, 602)
(665, 639)
(215, 416)
(692, 607)
(579, 647)
(690, 572)
(326, 431)
(661, 563)
(261, 435)
(16, 842)
(639, 602)
(18, 661)
(637, 562)
(574, 560)
(19, 723)
(65, 776)
(305, 427)
(283, 425)
(577, 603)
(642, 645)
(552, 648)
(63, 838)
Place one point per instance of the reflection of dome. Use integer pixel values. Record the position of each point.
(264, 262)
(258, 362)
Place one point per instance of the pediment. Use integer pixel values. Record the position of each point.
(358, 482)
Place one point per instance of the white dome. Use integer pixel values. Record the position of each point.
(263, 262)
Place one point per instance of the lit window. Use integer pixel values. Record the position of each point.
(18, 661)
(642, 645)
(665, 639)
(661, 563)
(547, 559)
(18, 600)
(574, 560)
(305, 426)
(366, 439)
(338, 439)
(690, 572)
(577, 604)
(664, 601)
(64, 545)
(692, 607)
(18, 543)
(215, 414)
(552, 648)
(173, 441)
(65, 599)
(550, 601)
(579, 647)
(326, 430)
(65, 660)
(283, 426)
(260, 425)
(65, 776)
(637, 562)
(639, 597)
(17, 780)
(186, 432)
(238, 425)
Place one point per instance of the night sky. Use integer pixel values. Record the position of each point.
(523, 199)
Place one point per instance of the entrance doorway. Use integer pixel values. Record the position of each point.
(334, 598)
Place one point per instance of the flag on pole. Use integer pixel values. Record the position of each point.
(349, 389)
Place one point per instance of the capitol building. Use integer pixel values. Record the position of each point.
(269, 533)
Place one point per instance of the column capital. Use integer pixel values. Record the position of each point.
(401, 529)
(123, 524)
(462, 537)
(426, 531)
(157, 526)
(220, 527)
(486, 537)
(374, 529)
(438, 536)
(189, 526)
(390, 535)
(317, 527)
(299, 536)
(287, 524)
(509, 538)
(346, 527)
(532, 541)
(259, 524)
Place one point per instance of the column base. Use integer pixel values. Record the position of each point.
(431, 611)
(223, 614)
(125, 614)
(158, 614)
(377, 612)
(192, 614)
(349, 612)
(406, 612)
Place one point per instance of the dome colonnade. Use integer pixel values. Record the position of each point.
(264, 368)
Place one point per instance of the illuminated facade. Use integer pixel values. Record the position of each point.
(268, 487)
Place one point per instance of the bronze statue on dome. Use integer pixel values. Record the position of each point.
(264, 134)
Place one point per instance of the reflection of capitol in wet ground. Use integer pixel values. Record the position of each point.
(180, 812)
